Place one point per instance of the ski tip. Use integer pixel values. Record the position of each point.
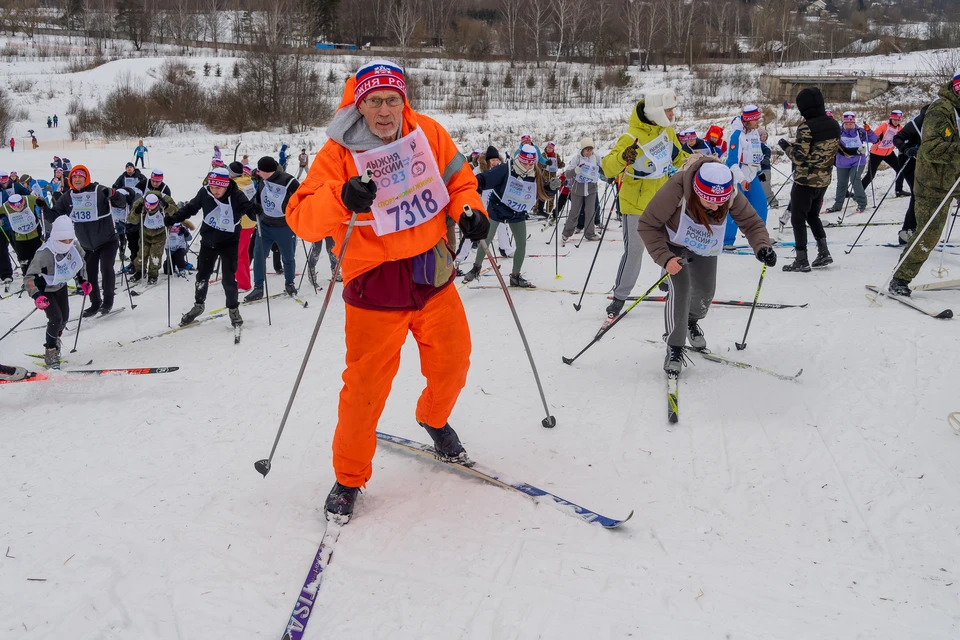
(617, 523)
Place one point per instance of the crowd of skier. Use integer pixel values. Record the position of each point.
(385, 195)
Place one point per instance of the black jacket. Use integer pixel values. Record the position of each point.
(281, 178)
(205, 202)
(909, 136)
(95, 233)
(145, 186)
(120, 183)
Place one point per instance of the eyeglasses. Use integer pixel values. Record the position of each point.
(376, 103)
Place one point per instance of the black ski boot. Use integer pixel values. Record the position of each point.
(106, 308)
(235, 319)
(517, 280)
(340, 501)
(799, 263)
(191, 315)
(92, 311)
(823, 255)
(695, 336)
(899, 287)
(152, 280)
(290, 289)
(256, 294)
(446, 443)
(473, 274)
(615, 307)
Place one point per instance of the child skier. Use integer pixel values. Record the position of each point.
(147, 214)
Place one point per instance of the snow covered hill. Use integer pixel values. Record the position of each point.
(822, 508)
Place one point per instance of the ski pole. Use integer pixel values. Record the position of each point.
(916, 240)
(743, 345)
(875, 209)
(166, 247)
(602, 205)
(549, 422)
(940, 272)
(13, 328)
(126, 281)
(306, 265)
(603, 330)
(603, 234)
(263, 466)
(789, 179)
(263, 258)
(846, 203)
(76, 338)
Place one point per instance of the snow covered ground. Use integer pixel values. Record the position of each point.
(825, 508)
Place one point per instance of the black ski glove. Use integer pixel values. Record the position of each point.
(783, 144)
(42, 204)
(912, 152)
(762, 177)
(358, 196)
(767, 256)
(475, 227)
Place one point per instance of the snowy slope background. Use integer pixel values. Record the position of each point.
(824, 508)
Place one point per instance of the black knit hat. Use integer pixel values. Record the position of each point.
(236, 169)
(267, 163)
(492, 154)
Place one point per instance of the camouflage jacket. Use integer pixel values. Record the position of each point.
(938, 160)
(813, 160)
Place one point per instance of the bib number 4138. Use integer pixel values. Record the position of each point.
(407, 210)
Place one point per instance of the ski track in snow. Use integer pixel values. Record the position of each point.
(820, 509)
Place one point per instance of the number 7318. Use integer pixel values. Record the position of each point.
(407, 210)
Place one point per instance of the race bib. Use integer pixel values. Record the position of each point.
(119, 215)
(696, 237)
(271, 198)
(519, 195)
(754, 152)
(851, 144)
(22, 222)
(84, 206)
(249, 190)
(130, 183)
(410, 189)
(588, 173)
(887, 141)
(175, 241)
(221, 218)
(154, 220)
(552, 165)
(655, 160)
(66, 268)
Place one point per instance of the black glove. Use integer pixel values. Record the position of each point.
(358, 196)
(783, 144)
(629, 154)
(42, 203)
(912, 152)
(767, 256)
(762, 177)
(475, 227)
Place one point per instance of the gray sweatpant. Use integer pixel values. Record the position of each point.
(589, 204)
(691, 292)
(849, 179)
(629, 269)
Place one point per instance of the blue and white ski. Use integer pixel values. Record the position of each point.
(493, 477)
(307, 598)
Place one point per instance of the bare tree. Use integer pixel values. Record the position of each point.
(538, 16)
(510, 10)
(213, 21)
(402, 23)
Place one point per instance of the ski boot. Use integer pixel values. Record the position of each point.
(899, 287)
(92, 311)
(135, 277)
(823, 255)
(695, 336)
(290, 290)
(191, 315)
(235, 319)
(517, 280)
(833, 209)
(253, 296)
(19, 373)
(106, 308)
(312, 276)
(152, 280)
(339, 504)
(51, 359)
(799, 263)
(615, 307)
(676, 359)
(473, 274)
(446, 443)
(905, 235)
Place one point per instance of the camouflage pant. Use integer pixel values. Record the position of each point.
(925, 206)
(153, 250)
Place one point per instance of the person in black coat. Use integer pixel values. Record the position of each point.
(222, 204)
(273, 192)
(89, 206)
(907, 142)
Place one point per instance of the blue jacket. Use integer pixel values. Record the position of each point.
(139, 151)
(496, 179)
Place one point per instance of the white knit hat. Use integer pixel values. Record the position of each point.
(61, 230)
(586, 141)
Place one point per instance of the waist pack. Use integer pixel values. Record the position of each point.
(434, 266)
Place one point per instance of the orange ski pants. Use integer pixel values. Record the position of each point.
(374, 340)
